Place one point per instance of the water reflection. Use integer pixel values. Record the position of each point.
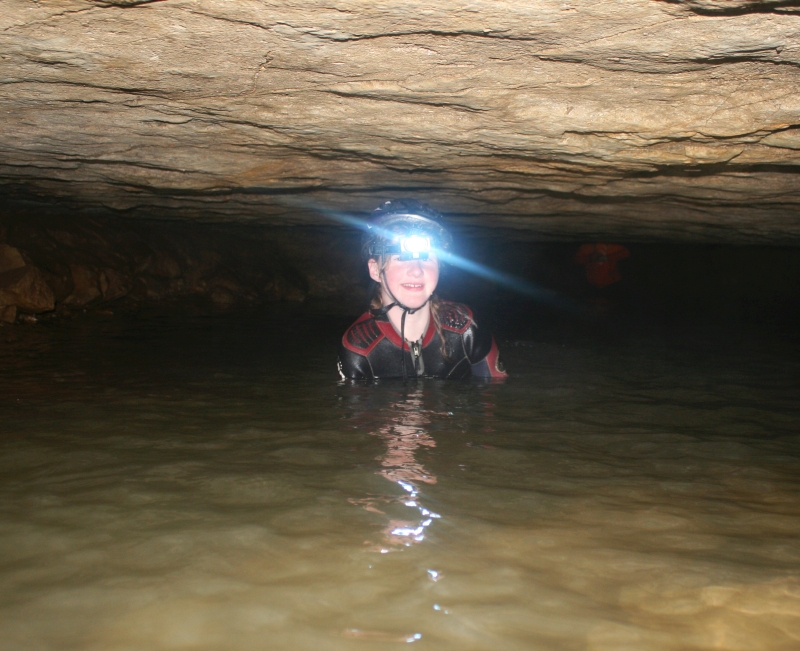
(404, 433)
(178, 491)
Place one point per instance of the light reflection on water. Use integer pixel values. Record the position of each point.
(401, 426)
(206, 484)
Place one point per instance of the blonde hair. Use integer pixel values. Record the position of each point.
(376, 303)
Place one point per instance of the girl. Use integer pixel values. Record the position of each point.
(408, 331)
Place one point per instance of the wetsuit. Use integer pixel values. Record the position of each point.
(371, 349)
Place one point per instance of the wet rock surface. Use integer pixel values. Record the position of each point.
(572, 119)
(56, 265)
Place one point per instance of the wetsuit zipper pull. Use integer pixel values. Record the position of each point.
(415, 353)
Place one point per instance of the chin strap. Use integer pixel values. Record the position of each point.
(383, 311)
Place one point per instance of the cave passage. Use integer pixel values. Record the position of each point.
(180, 467)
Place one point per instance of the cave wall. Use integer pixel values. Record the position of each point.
(570, 119)
(53, 264)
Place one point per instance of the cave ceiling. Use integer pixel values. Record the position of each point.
(631, 119)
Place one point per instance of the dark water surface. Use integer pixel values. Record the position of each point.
(205, 483)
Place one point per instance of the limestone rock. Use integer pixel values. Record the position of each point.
(8, 313)
(26, 289)
(113, 284)
(161, 265)
(733, 7)
(57, 259)
(159, 288)
(222, 298)
(282, 290)
(86, 286)
(10, 258)
(568, 118)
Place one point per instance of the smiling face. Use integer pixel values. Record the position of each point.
(411, 282)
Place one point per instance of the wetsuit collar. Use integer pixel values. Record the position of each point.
(383, 311)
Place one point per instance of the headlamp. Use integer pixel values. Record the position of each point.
(412, 247)
(415, 247)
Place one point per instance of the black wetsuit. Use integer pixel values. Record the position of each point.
(371, 349)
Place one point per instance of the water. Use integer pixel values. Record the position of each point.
(190, 483)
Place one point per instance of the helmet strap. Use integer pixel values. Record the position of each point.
(383, 311)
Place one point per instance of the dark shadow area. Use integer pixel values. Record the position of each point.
(54, 265)
(662, 280)
(738, 7)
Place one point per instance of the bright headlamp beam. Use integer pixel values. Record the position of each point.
(414, 247)
(507, 280)
(511, 282)
(415, 244)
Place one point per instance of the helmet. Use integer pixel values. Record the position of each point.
(404, 227)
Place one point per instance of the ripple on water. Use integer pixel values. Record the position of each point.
(164, 485)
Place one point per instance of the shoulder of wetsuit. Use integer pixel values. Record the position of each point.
(479, 345)
(455, 317)
(478, 342)
(482, 353)
(353, 366)
(459, 318)
(362, 337)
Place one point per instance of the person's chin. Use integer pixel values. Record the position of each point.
(414, 300)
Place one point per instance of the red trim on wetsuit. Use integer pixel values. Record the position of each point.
(367, 332)
(362, 337)
(392, 335)
(455, 317)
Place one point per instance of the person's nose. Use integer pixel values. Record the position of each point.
(415, 269)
